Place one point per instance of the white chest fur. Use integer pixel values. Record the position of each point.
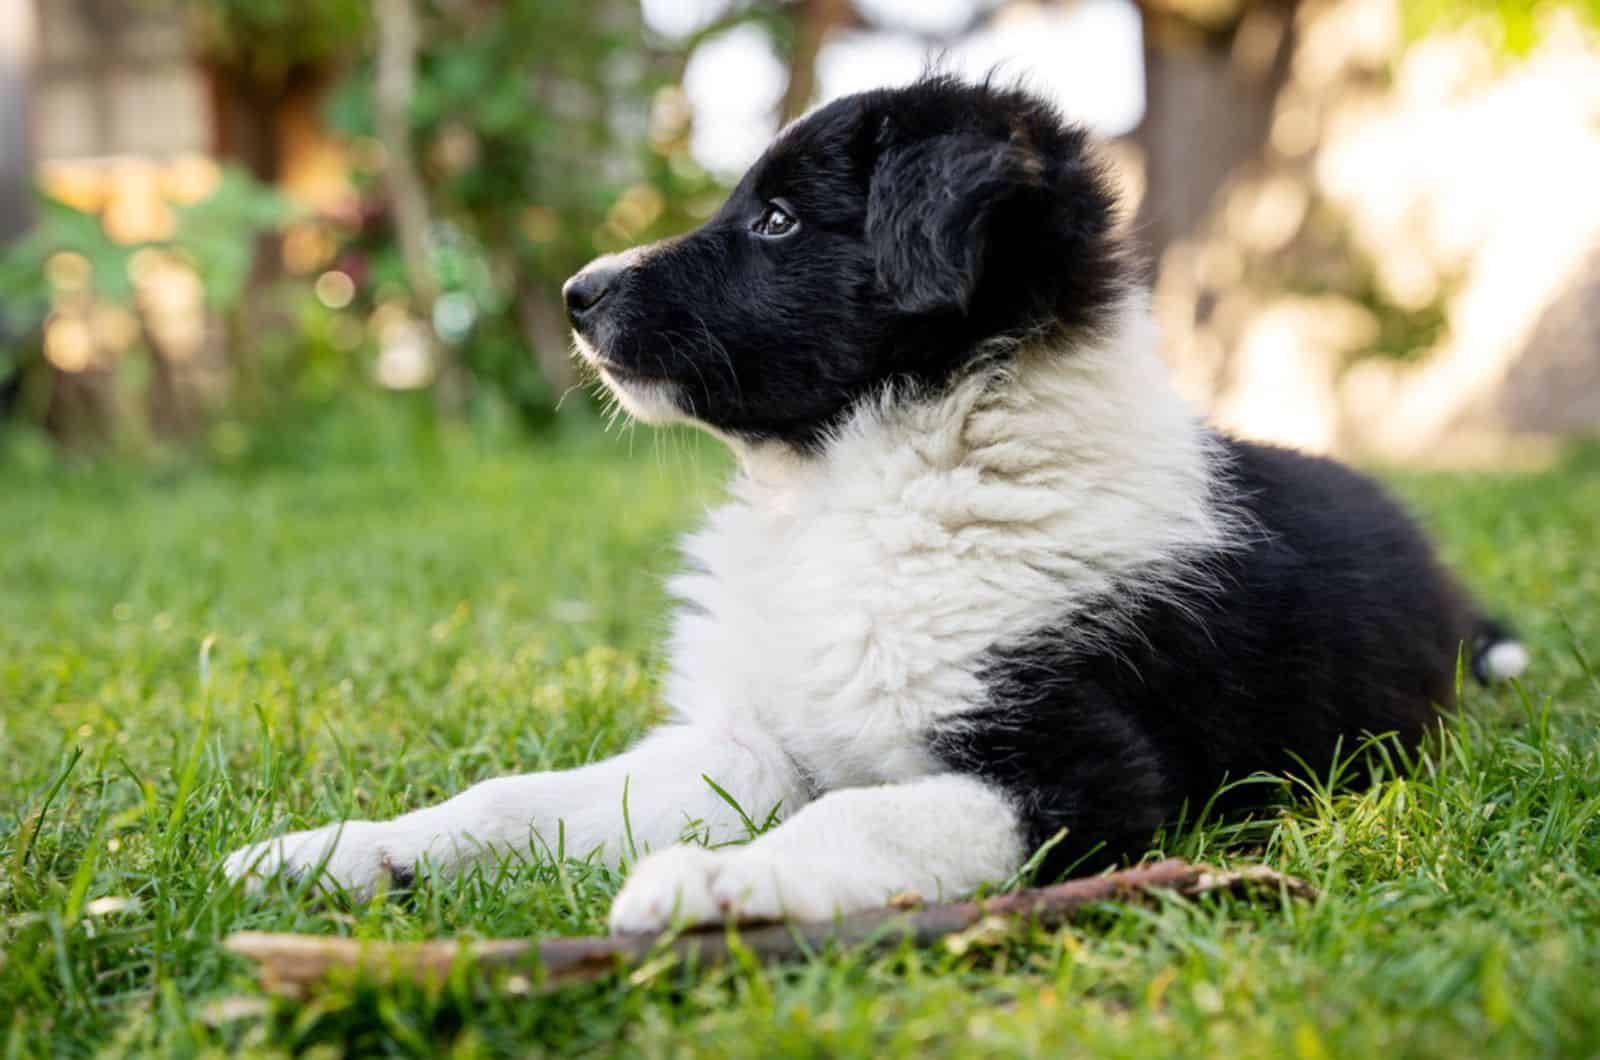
(843, 603)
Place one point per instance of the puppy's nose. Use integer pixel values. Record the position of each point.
(589, 287)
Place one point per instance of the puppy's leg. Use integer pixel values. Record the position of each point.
(850, 850)
(664, 777)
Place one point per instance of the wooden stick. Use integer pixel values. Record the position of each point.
(295, 964)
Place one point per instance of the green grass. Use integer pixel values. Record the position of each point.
(187, 665)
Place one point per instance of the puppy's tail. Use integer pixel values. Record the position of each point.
(1497, 655)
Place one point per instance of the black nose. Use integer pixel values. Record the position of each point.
(588, 288)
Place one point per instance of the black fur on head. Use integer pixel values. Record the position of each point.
(886, 237)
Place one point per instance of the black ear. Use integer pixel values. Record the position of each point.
(930, 212)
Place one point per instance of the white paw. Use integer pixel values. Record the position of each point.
(690, 885)
(671, 885)
(352, 856)
(751, 884)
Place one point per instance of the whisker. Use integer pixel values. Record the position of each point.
(727, 358)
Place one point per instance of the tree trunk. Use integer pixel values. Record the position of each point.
(813, 23)
(1209, 99)
(17, 35)
(398, 42)
(242, 122)
(16, 141)
(244, 131)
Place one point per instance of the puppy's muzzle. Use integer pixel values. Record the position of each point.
(585, 292)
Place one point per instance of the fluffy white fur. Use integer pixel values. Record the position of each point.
(843, 604)
(648, 402)
(835, 610)
(939, 836)
(1506, 660)
(655, 792)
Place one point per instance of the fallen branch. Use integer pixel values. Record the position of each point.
(294, 964)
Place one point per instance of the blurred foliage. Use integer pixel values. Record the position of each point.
(25, 288)
(1512, 25)
(528, 121)
(216, 235)
(545, 132)
(262, 40)
(68, 263)
(213, 236)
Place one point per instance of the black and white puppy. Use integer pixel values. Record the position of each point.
(984, 579)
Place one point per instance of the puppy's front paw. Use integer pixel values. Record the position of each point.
(351, 856)
(752, 884)
(671, 885)
(690, 885)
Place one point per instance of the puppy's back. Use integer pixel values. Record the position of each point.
(1341, 604)
(1327, 621)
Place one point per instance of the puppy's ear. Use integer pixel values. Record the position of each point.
(930, 213)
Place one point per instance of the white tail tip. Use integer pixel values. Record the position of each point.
(1505, 660)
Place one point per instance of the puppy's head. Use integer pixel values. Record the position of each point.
(886, 237)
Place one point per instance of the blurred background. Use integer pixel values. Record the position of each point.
(244, 231)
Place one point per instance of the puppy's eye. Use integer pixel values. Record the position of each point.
(775, 221)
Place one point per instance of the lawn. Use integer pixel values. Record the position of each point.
(191, 662)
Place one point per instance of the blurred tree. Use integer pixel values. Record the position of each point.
(1213, 70)
(801, 28)
(394, 87)
(1327, 281)
(811, 23)
(496, 146)
(1214, 74)
(542, 132)
(16, 167)
(124, 389)
(264, 58)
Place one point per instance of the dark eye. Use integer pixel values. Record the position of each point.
(775, 221)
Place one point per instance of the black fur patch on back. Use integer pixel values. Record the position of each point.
(1331, 622)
